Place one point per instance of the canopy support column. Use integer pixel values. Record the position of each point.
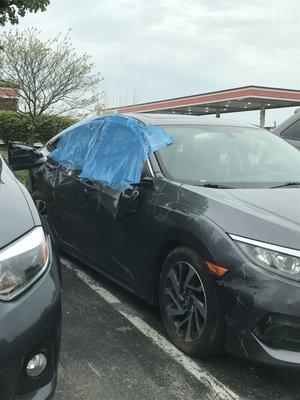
(262, 116)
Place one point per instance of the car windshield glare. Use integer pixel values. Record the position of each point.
(235, 156)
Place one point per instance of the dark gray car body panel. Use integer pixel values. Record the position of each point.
(255, 213)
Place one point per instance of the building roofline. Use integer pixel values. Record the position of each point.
(207, 94)
(7, 92)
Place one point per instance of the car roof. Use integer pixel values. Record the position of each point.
(285, 124)
(173, 119)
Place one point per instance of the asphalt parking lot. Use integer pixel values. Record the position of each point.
(114, 348)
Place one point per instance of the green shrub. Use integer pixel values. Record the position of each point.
(13, 126)
(48, 126)
(17, 127)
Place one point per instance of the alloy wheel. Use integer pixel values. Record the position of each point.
(185, 300)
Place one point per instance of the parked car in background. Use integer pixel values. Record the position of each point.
(208, 226)
(30, 296)
(290, 130)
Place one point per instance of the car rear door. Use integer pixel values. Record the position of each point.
(72, 212)
(70, 200)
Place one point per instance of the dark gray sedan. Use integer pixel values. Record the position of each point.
(199, 215)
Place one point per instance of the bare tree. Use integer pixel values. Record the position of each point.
(11, 10)
(117, 96)
(51, 77)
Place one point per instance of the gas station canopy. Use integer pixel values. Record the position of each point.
(245, 98)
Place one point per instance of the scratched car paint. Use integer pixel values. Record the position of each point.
(212, 235)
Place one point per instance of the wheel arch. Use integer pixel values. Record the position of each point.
(173, 240)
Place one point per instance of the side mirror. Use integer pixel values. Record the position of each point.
(128, 203)
(21, 156)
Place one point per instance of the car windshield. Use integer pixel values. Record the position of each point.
(229, 155)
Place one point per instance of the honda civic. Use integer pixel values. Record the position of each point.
(200, 215)
(30, 296)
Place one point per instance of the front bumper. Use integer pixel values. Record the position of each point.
(262, 316)
(31, 324)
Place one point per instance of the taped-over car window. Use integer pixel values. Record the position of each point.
(117, 158)
(74, 143)
(111, 150)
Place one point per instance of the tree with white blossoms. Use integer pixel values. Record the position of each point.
(51, 77)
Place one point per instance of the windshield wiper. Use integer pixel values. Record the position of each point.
(286, 185)
(215, 185)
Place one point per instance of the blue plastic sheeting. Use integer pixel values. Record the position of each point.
(111, 150)
(75, 142)
(118, 154)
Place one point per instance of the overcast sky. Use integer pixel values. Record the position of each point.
(159, 49)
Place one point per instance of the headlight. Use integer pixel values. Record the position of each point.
(22, 263)
(283, 261)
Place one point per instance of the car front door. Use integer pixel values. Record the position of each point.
(108, 203)
(122, 224)
(113, 204)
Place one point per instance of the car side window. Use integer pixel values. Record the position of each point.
(72, 146)
(292, 132)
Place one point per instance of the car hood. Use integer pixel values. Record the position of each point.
(16, 217)
(269, 215)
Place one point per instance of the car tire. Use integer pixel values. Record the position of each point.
(189, 304)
